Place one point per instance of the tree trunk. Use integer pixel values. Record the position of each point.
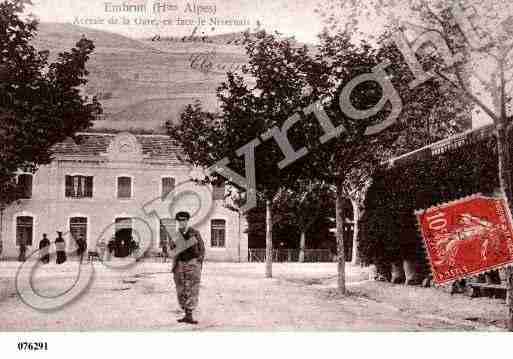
(302, 242)
(355, 258)
(509, 298)
(240, 234)
(505, 183)
(1, 228)
(398, 275)
(411, 272)
(341, 256)
(268, 240)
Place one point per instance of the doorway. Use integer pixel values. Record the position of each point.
(123, 240)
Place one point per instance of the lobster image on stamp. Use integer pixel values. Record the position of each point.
(467, 237)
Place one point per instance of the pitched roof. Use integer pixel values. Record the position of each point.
(154, 147)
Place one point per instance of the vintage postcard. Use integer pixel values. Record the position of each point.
(270, 165)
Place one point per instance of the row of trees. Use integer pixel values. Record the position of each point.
(283, 80)
(287, 84)
(42, 105)
(483, 29)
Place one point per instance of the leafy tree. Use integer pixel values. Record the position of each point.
(300, 206)
(264, 95)
(286, 83)
(348, 160)
(485, 29)
(40, 102)
(343, 161)
(493, 95)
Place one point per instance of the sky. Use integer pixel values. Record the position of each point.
(291, 17)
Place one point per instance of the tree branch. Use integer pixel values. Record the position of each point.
(474, 98)
(502, 90)
(423, 28)
(432, 13)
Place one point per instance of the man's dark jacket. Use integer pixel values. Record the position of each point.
(195, 251)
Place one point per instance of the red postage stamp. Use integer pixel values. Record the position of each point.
(467, 237)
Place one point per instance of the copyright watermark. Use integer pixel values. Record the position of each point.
(188, 195)
(464, 18)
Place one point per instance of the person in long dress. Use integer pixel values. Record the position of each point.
(60, 247)
(44, 248)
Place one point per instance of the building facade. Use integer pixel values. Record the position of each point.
(115, 189)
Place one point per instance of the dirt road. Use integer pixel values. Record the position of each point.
(238, 297)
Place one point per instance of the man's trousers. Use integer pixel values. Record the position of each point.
(187, 276)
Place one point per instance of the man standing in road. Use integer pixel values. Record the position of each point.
(187, 267)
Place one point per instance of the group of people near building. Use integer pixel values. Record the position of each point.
(187, 264)
(60, 248)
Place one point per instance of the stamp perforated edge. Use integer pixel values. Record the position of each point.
(419, 212)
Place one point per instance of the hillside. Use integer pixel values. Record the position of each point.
(142, 83)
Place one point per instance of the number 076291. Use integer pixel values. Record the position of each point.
(32, 346)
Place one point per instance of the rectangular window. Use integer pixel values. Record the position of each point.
(168, 184)
(25, 185)
(78, 227)
(124, 187)
(24, 230)
(79, 186)
(218, 233)
(167, 228)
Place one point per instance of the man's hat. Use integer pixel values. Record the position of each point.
(182, 216)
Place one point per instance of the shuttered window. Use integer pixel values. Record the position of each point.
(124, 187)
(24, 230)
(79, 186)
(168, 184)
(218, 233)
